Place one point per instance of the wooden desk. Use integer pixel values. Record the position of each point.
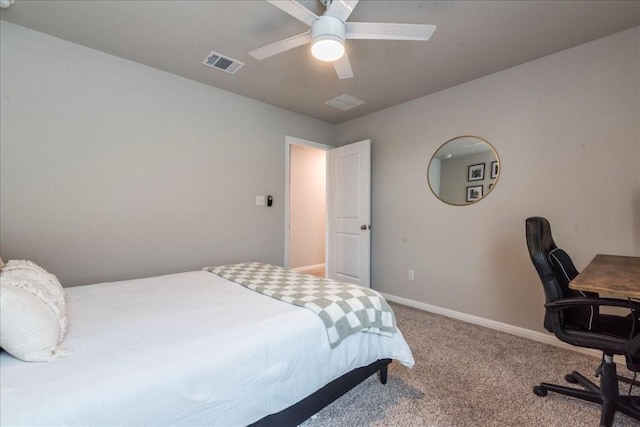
(613, 275)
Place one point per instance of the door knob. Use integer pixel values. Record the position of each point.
(364, 227)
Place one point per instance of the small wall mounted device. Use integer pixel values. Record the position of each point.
(269, 201)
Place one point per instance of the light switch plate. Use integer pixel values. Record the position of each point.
(259, 200)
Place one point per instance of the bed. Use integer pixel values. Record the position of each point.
(188, 349)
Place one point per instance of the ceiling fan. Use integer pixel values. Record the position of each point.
(328, 32)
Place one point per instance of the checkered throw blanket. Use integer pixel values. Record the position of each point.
(343, 307)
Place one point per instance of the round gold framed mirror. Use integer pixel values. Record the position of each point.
(464, 170)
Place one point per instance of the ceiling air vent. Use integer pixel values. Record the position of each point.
(344, 102)
(220, 62)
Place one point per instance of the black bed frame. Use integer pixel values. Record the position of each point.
(301, 411)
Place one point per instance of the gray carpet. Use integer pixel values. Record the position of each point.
(467, 375)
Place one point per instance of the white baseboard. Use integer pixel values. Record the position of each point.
(308, 268)
(492, 324)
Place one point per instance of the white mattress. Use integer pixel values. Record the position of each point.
(183, 349)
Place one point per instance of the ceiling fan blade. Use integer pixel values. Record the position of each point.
(281, 46)
(380, 31)
(341, 9)
(343, 67)
(296, 10)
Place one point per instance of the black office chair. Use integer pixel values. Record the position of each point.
(574, 317)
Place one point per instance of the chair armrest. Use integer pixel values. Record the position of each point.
(564, 303)
(596, 340)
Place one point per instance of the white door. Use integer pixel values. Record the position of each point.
(349, 213)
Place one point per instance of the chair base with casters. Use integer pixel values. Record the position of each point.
(607, 394)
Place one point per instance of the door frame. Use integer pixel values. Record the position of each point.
(288, 142)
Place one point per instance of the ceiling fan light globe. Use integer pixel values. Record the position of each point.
(327, 48)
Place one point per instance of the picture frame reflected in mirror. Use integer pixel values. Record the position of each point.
(474, 193)
(476, 172)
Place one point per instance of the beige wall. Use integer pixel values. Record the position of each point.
(112, 170)
(567, 132)
(307, 199)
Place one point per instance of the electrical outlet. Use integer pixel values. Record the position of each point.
(412, 274)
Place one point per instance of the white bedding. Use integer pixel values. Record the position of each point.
(183, 349)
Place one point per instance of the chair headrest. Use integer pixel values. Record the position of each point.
(540, 243)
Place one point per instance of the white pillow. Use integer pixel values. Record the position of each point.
(32, 318)
(28, 328)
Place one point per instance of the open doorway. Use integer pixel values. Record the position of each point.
(347, 213)
(306, 201)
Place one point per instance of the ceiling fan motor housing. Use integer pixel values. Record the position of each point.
(328, 29)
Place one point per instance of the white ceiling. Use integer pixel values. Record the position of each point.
(473, 39)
